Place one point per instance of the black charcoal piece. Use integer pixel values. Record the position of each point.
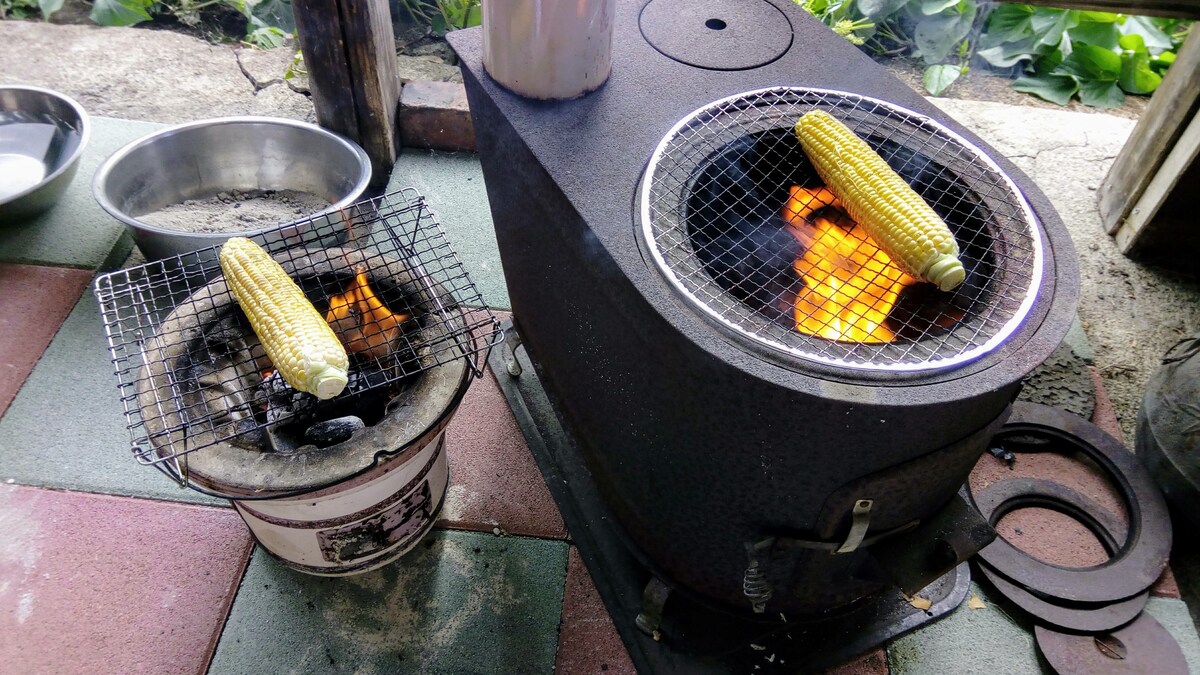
(329, 432)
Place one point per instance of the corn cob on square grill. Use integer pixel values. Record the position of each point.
(412, 267)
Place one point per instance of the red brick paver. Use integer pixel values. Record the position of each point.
(494, 481)
(874, 662)
(435, 115)
(587, 640)
(34, 301)
(99, 584)
(1104, 415)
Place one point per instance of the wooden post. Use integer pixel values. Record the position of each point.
(1170, 109)
(1163, 221)
(350, 54)
(1125, 198)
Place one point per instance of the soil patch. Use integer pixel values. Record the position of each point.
(237, 211)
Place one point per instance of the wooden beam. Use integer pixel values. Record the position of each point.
(1179, 9)
(350, 54)
(1172, 107)
(1164, 222)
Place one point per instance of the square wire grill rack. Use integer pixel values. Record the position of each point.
(395, 240)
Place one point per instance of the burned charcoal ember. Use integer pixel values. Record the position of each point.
(279, 441)
(362, 380)
(329, 432)
(274, 385)
(922, 309)
(282, 401)
(362, 322)
(229, 330)
(213, 390)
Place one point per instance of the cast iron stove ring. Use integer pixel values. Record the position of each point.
(1140, 560)
(1104, 617)
(1143, 646)
(1021, 492)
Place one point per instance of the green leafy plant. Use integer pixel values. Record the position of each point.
(456, 15)
(25, 9)
(840, 15)
(259, 32)
(121, 12)
(1060, 54)
(418, 11)
(265, 37)
(936, 31)
(296, 68)
(443, 16)
(1095, 56)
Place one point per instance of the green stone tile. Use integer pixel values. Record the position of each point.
(461, 602)
(999, 639)
(453, 185)
(1185, 563)
(1174, 616)
(66, 427)
(984, 641)
(76, 232)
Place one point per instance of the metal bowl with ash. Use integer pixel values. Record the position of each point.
(193, 185)
(334, 486)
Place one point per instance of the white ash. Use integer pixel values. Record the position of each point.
(237, 211)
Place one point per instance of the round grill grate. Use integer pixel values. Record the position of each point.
(712, 212)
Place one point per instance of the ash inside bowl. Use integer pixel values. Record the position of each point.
(237, 211)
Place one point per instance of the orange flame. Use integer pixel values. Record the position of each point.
(361, 321)
(850, 285)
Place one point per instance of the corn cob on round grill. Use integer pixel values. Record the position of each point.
(879, 200)
(300, 344)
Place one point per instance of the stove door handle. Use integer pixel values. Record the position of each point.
(859, 524)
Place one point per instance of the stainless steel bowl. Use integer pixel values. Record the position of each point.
(42, 136)
(199, 160)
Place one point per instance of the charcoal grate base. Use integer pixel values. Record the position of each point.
(694, 638)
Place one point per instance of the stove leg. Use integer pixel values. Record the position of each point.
(512, 341)
(653, 599)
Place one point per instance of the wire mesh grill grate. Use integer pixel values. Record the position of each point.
(191, 372)
(713, 213)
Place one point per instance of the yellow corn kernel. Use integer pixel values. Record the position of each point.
(300, 344)
(879, 200)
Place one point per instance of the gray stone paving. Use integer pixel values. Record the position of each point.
(1132, 312)
(134, 73)
(453, 185)
(74, 381)
(461, 602)
(999, 639)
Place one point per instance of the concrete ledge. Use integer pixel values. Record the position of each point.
(435, 115)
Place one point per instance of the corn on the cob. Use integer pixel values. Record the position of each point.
(879, 200)
(301, 346)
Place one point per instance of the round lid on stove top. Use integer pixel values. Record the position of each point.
(717, 34)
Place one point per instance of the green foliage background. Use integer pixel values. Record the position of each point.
(1058, 54)
(261, 23)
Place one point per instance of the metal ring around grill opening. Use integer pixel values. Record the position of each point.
(740, 148)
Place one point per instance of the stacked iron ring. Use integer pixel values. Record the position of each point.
(1105, 599)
